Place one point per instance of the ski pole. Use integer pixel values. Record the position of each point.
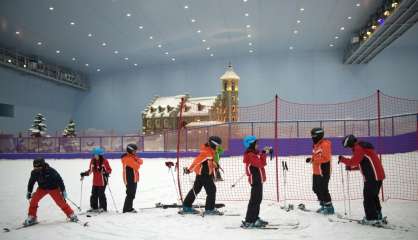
(342, 181)
(194, 193)
(81, 191)
(170, 165)
(75, 205)
(239, 179)
(348, 192)
(111, 195)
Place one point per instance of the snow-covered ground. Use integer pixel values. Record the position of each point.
(156, 186)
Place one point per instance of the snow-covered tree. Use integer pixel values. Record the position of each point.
(69, 131)
(38, 128)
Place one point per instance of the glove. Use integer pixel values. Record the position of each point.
(267, 149)
(308, 160)
(64, 194)
(340, 158)
(186, 170)
(84, 174)
(106, 175)
(169, 164)
(28, 195)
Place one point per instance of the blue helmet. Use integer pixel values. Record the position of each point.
(97, 151)
(248, 140)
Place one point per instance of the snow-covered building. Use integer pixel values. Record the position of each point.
(163, 112)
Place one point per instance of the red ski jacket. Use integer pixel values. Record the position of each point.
(254, 166)
(99, 168)
(365, 157)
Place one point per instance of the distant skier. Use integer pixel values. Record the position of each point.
(219, 151)
(100, 168)
(204, 166)
(366, 159)
(130, 164)
(321, 168)
(254, 161)
(49, 182)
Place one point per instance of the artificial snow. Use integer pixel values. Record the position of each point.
(156, 185)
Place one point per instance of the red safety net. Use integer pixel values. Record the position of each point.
(286, 126)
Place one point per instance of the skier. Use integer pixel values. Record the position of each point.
(204, 166)
(254, 161)
(100, 168)
(130, 164)
(219, 151)
(366, 159)
(49, 182)
(321, 168)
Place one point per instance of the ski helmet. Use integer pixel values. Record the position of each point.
(98, 151)
(349, 141)
(317, 134)
(131, 147)
(214, 141)
(38, 162)
(248, 140)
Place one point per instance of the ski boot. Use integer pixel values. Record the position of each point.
(73, 218)
(30, 221)
(321, 209)
(213, 212)
(188, 210)
(262, 221)
(328, 209)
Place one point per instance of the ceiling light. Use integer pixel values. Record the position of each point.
(193, 20)
(116, 52)
(86, 64)
(9, 61)
(368, 33)
(104, 44)
(248, 26)
(342, 28)
(173, 59)
(358, 5)
(72, 23)
(244, 0)
(295, 31)
(331, 45)
(166, 53)
(203, 40)
(73, 58)
(160, 46)
(249, 35)
(151, 37)
(98, 69)
(51, 8)
(24, 65)
(39, 43)
(381, 21)
(89, 35)
(141, 27)
(58, 51)
(126, 59)
(250, 44)
(208, 48)
(349, 17)
(17, 33)
(291, 48)
(128, 14)
(135, 64)
(298, 21)
(247, 14)
(211, 55)
(199, 31)
(186, 7)
(302, 9)
(251, 51)
(336, 37)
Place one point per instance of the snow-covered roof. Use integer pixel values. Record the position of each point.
(203, 123)
(192, 105)
(230, 74)
(163, 106)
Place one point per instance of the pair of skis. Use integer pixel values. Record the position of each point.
(8, 229)
(270, 226)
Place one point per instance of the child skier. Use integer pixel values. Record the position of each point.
(366, 159)
(219, 151)
(254, 161)
(204, 166)
(130, 164)
(100, 168)
(321, 168)
(49, 182)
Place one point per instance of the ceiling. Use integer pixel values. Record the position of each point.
(130, 34)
